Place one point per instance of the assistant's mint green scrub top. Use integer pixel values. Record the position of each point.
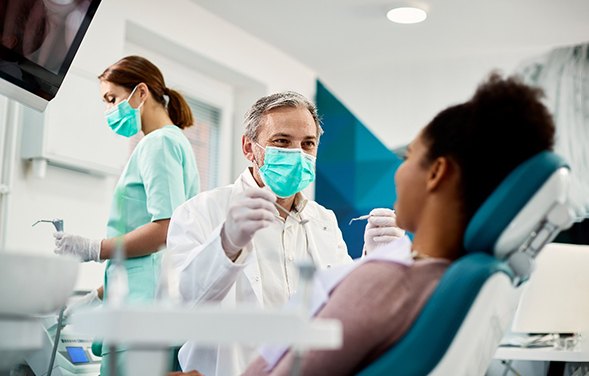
(161, 174)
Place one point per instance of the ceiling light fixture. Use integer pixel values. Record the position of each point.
(407, 15)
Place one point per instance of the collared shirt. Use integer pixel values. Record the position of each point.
(278, 266)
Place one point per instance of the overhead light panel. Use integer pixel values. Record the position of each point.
(407, 15)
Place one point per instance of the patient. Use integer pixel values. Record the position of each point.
(454, 163)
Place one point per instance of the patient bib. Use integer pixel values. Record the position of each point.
(398, 251)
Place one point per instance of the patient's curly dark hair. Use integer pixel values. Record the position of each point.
(501, 126)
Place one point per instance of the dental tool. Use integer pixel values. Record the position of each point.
(58, 224)
(306, 272)
(360, 218)
(287, 212)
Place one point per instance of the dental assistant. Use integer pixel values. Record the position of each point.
(235, 245)
(160, 175)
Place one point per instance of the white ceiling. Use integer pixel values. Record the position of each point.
(355, 34)
(393, 77)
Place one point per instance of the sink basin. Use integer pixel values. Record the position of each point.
(32, 284)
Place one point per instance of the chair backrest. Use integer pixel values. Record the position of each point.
(462, 323)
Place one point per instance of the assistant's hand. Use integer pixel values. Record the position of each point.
(250, 212)
(381, 229)
(90, 299)
(68, 244)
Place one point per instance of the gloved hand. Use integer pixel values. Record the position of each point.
(89, 299)
(68, 244)
(381, 229)
(251, 211)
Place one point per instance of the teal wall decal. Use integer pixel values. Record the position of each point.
(355, 170)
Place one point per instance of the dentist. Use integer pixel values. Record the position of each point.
(239, 244)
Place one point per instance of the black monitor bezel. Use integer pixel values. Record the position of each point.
(46, 83)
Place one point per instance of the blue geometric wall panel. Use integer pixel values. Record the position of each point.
(355, 170)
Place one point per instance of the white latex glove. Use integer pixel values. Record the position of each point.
(90, 299)
(251, 211)
(381, 229)
(68, 244)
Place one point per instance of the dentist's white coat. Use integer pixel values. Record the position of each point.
(207, 275)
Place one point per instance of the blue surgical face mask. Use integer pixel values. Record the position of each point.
(123, 119)
(287, 171)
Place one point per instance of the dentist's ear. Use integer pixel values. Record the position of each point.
(247, 147)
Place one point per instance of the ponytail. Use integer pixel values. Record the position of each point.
(132, 70)
(178, 109)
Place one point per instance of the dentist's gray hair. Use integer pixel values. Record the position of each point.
(254, 116)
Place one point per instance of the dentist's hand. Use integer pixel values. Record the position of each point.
(88, 300)
(84, 248)
(251, 211)
(381, 229)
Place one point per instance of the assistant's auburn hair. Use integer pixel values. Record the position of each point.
(133, 70)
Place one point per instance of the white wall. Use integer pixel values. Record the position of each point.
(200, 40)
(395, 107)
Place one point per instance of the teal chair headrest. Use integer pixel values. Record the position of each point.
(507, 200)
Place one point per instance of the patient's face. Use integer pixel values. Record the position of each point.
(410, 181)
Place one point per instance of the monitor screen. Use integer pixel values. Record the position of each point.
(38, 41)
(77, 355)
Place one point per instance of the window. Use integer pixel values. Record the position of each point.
(204, 138)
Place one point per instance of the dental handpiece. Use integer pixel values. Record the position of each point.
(57, 223)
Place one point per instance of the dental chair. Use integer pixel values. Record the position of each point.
(461, 325)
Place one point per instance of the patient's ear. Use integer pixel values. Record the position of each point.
(439, 172)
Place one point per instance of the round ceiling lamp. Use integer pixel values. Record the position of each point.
(407, 14)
